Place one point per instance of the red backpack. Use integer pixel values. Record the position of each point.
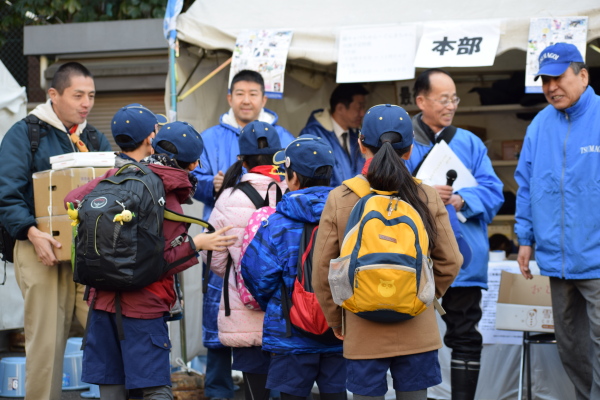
(302, 310)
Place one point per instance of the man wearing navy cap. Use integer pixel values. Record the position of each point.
(558, 183)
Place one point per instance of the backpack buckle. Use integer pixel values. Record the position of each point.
(161, 202)
(177, 241)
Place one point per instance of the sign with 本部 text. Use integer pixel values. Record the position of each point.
(376, 54)
(458, 44)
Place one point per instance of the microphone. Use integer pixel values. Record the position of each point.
(450, 177)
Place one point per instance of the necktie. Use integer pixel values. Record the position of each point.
(345, 142)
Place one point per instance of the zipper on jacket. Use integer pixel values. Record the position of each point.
(562, 197)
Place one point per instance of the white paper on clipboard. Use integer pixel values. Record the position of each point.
(440, 160)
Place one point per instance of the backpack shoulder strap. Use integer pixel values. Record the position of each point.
(92, 135)
(34, 125)
(358, 185)
(252, 194)
(446, 136)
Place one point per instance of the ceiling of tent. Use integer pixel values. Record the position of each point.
(215, 25)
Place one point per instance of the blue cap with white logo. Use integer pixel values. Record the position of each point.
(555, 59)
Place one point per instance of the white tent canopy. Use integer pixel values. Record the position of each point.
(13, 100)
(316, 23)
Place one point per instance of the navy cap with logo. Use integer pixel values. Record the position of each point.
(305, 155)
(255, 130)
(184, 137)
(555, 59)
(387, 118)
(136, 122)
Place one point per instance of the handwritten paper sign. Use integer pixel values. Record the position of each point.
(376, 54)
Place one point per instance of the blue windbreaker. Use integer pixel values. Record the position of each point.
(272, 256)
(559, 183)
(482, 201)
(221, 149)
(346, 166)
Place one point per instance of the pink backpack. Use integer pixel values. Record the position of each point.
(257, 218)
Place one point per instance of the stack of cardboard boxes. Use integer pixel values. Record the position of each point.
(49, 190)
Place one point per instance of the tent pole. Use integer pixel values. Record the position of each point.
(205, 79)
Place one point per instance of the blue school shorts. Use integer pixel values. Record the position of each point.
(296, 374)
(139, 361)
(411, 372)
(252, 360)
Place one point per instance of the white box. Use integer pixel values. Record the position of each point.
(94, 162)
(524, 304)
(92, 155)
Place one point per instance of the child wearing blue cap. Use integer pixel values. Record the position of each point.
(242, 328)
(407, 348)
(270, 265)
(140, 362)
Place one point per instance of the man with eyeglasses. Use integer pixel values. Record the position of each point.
(435, 95)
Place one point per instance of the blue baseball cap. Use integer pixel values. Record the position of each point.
(305, 155)
(555, 59)
(184, 137)
(386, 118)
(255, 130)
(136, 122)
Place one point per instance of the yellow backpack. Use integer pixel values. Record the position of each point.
(384, 272)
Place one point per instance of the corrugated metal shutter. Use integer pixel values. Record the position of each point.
(107, 104)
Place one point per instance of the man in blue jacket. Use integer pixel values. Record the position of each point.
(339, 126)
(247, 101)
(558, 174)
(51, 297)
(435, 95)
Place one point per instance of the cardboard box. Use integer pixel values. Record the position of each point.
(59, 226)
(50, 188)
(524, 304)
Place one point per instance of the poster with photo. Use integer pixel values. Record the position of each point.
(264, 51)
(544, 32)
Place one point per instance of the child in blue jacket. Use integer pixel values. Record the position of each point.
(298, 360)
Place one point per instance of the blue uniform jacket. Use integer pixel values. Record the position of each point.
(482, 201)
(346, 166)
(221, 149)
(559, 186)
(271, 258)
(16, 187)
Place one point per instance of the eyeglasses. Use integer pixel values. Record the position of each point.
(446, 102)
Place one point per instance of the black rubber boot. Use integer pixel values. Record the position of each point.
(464, 375)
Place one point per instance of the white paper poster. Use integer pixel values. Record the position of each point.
(376, 54)
(544, 32)
(264, 51)
(440, 160)
(458, 44)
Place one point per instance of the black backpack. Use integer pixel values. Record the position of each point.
(119, 243)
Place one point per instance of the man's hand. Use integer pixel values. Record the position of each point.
(445, 192)
(523, 260)
(337, 331)
(43, 244)
(457, 201)
(218, 181)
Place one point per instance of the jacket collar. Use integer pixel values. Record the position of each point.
(582, 105)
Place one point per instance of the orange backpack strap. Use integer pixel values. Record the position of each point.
(358, 185)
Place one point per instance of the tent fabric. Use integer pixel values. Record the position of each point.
(13, 101)
(316, 24)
